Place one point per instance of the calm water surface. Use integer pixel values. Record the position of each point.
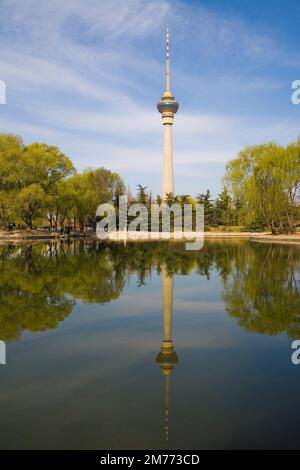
(84, 325)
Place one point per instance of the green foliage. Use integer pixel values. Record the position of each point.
(223, 211)
(11, 162)
(265, 182)
(39, 284)
(169, 199)
(142, 195)
(207, 201)
(45, 165)
(29, 203)
(39, 183)
(261, 289)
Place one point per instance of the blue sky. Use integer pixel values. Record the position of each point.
(86, 76)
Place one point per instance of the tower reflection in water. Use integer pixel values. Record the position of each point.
(167, 357)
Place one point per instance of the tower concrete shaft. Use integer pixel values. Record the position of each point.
(167, 106)
(167, 300)
(167, 357)
(168, 177)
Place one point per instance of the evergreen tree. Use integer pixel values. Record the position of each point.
(142, 195)
(223, 210)
(207, 201)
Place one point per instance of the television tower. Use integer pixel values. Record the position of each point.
(167, 106)
(167, 357)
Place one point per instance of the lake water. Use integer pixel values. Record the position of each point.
(84, 324)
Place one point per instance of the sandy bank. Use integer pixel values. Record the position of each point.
(19, 236)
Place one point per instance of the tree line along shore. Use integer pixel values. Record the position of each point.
(40, 189)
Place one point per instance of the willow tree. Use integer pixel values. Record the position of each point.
(290, 175)
(28, 175)
(11, 170)
(263, 179)
(30, 203)
(45, 165)
(90, 189)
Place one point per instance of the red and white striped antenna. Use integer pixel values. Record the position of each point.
(168, 61)
(168, 43)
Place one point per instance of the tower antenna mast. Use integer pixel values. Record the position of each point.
(168, 61)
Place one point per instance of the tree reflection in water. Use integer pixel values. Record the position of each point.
(40, 283)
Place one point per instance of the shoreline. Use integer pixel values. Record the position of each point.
(33, 236)
(279, 239)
